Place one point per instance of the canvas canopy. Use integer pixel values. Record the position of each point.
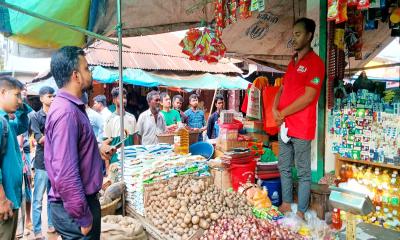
(153, 79)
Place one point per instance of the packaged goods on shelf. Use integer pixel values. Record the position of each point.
(364, 129)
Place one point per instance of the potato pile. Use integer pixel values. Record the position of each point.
(185, 205)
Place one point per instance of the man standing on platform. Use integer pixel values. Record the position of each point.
(73, 159)
(295, 110)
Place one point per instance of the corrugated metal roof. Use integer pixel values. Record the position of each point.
(153, 52)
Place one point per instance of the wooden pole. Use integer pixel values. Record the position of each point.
(121, 98)
(212, 103)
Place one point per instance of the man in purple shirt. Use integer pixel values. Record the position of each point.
(72, 157)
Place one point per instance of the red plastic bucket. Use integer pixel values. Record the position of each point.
(241, 173)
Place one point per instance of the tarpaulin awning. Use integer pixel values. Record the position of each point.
(153, 79)
(37, 33)
(33, 88)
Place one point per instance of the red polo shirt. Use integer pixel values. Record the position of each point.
(307, 72)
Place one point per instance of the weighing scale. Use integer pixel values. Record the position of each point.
(353, 203)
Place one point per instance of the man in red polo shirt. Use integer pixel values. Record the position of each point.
(295, 105)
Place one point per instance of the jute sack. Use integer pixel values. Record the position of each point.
(116, 227)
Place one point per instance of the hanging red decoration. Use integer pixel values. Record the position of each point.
(219, 14)
(244, 9)
(203, 45)
(232, 11)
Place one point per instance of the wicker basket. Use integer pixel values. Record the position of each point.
(169, 137)
(111, 208)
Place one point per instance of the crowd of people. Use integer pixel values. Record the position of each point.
(76, 143)
(36, 144)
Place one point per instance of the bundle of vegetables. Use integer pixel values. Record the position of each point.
(184, 205)
(237, 228)
(203, 45)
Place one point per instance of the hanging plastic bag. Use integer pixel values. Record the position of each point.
(254, 103)
(270, 125)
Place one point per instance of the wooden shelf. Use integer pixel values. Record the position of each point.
(340, 160)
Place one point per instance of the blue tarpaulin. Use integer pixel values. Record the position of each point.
(143, 78)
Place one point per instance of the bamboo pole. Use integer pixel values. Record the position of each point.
(121, 97)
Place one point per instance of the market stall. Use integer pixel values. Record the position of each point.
(177, 197)
(363, 119)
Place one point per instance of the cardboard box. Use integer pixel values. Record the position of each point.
(253, 126)
(261, 137)
(221, 178)
(226, 146)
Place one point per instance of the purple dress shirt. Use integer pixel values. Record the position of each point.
(72, 157)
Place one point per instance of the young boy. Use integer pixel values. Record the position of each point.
(196, 120)
(10, 156)
(41, 179)
(177, 102)
(212, 125)
(171, 116)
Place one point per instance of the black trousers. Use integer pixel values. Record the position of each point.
(67, 227)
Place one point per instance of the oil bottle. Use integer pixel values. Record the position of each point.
(181, 140)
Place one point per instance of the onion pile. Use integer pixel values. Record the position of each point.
(186, 205)
(247, 228)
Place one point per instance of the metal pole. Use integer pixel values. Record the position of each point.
(121, 98)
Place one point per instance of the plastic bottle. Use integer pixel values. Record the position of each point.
(336, 220)
(368, 177)
(360, 174)
(394, 182)
(343, 174)
(377, 177)
(385, 179)
(181, 140)
(395, 199)
(386, 197)
(349, 172)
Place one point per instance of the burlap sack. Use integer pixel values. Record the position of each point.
(116, 227)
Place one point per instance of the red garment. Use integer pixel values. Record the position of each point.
(246, 99)
(268, 97)
(309, 71)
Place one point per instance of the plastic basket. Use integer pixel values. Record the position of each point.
(202, 148)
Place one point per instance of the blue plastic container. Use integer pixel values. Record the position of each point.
(274, 190)
(204, 149)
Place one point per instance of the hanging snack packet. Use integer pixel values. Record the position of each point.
(363, 4)
(332, 10)
(342, 12)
